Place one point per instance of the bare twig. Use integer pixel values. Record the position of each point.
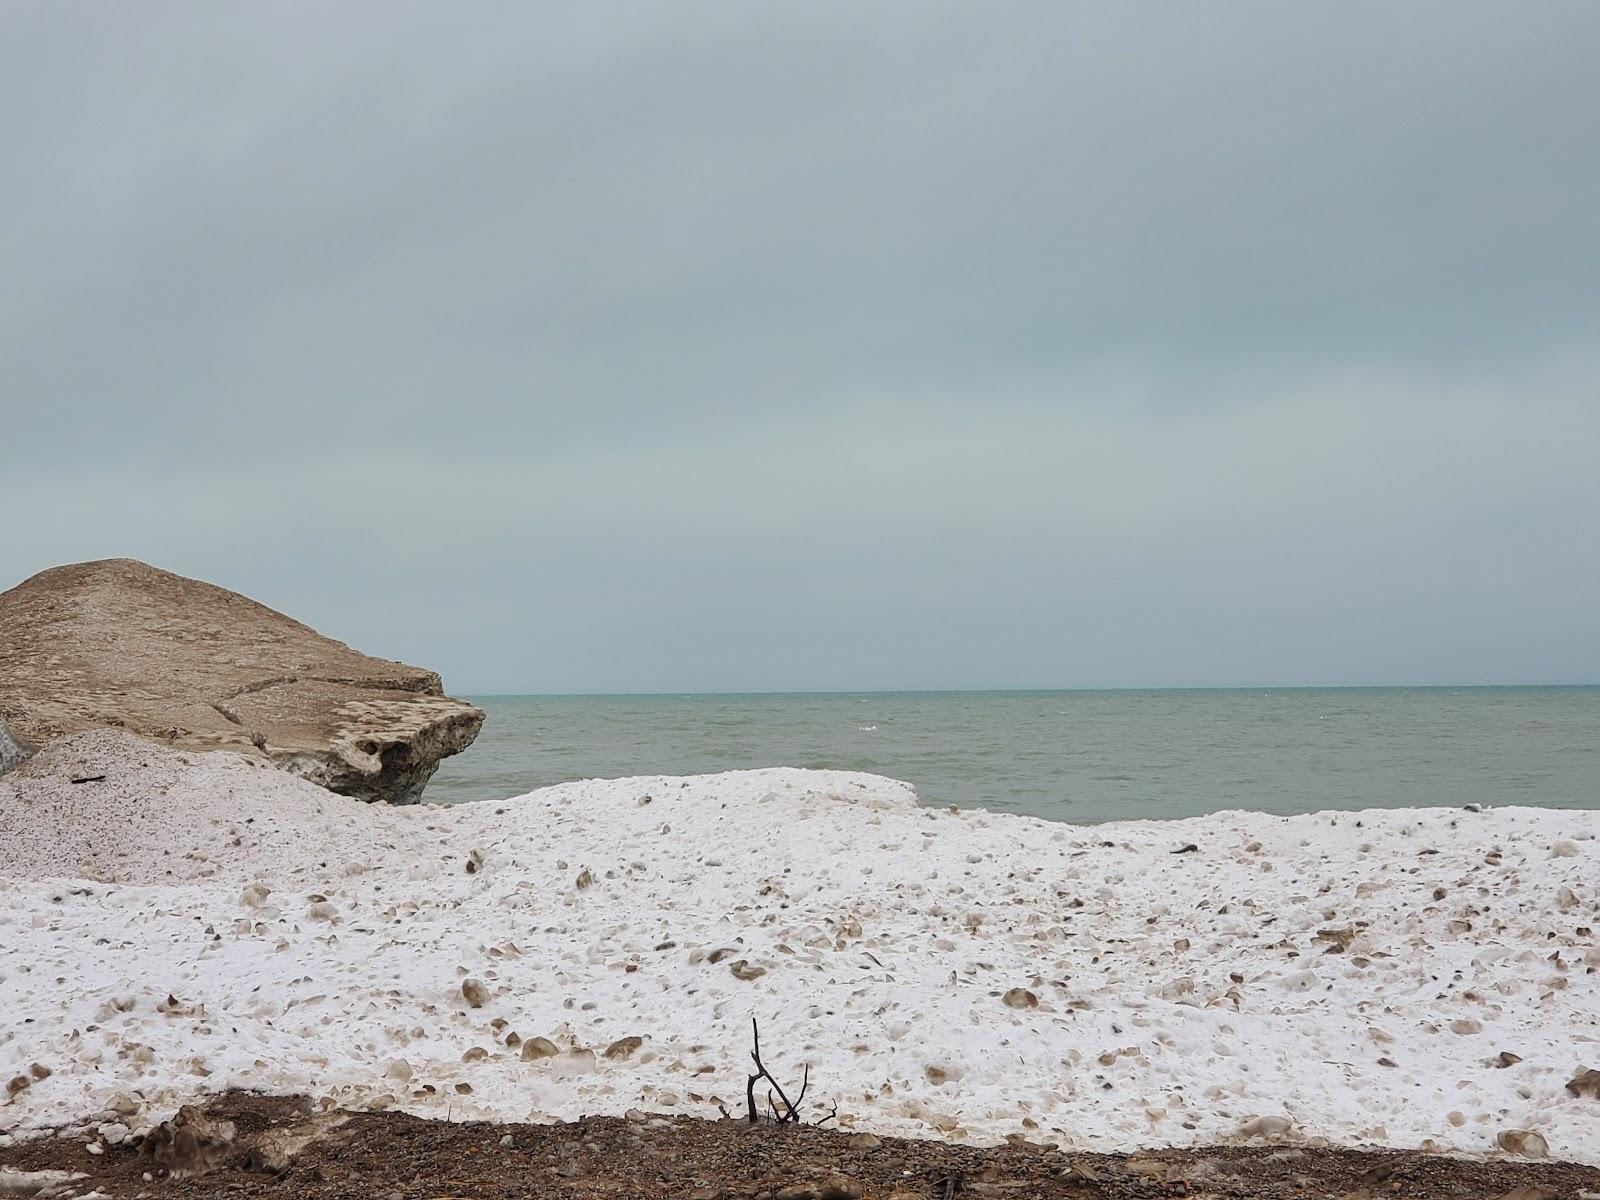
(823, 1120)
(791, 1109)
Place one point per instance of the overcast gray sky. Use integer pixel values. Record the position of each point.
(634, 346)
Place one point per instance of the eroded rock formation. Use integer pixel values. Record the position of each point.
(120, 643)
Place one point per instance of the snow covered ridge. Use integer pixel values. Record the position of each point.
(194, 923)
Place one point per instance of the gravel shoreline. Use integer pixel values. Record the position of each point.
(392, 1156)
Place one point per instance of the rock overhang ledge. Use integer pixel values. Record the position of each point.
(120, 643)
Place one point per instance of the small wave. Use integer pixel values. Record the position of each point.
(867, 728)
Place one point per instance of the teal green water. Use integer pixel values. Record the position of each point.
(1076, 756)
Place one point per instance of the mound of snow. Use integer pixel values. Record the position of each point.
(603, 945)
(105, 805)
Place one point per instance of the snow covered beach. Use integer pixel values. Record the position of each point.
(191, 923)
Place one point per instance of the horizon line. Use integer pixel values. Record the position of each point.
(993, 691)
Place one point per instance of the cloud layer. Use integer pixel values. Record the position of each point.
(716, 346)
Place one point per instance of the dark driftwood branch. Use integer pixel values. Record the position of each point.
(791, 1110)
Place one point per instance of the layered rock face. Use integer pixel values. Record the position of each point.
(120, 643)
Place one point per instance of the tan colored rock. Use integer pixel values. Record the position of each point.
(828, 1189)
(194, 666)
(1269, 1127)
(191, 1143)
(1585, 1083)
(623, 1047)
(275, 1149)
(124, 1105)
(539, 1047)
(1524, 1142)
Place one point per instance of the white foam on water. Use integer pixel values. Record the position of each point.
(193, 923)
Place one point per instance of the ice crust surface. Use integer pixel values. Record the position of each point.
(192, 923)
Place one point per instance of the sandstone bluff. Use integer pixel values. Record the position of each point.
(194, 666)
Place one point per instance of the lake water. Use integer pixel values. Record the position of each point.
(1075, 755)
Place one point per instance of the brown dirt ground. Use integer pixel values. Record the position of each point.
(391, 1156)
